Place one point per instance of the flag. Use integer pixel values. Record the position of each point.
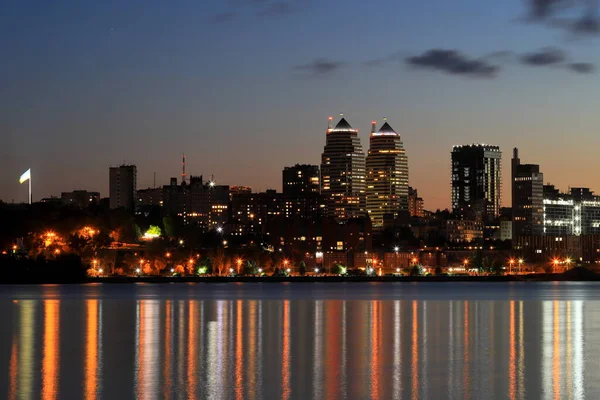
(25, 177)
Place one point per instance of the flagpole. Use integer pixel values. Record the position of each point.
(30, 197)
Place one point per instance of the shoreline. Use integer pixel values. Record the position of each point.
(313, 279)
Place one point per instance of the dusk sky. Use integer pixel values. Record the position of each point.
(244, 87)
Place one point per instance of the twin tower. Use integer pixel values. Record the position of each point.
(353, 187)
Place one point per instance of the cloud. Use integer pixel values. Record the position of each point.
(544, 57)
(543, 9)
(453, 62)
(582, 68)
(559, 14)
(320, 67)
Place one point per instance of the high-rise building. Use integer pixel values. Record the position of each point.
(343, 172)
(123, 187)
(476, 181)
(416, 206)
(300, 180)
(387, 176)
(527, 198)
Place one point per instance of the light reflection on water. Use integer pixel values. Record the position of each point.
(298, 348)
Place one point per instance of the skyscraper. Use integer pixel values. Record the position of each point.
(387, 176)
(343, 172)
(527, 198)
(476, 181)
(123, 186)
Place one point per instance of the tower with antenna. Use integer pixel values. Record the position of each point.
(183, 171)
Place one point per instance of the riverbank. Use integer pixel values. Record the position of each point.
(575, 275)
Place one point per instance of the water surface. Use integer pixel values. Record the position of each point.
(301, 341)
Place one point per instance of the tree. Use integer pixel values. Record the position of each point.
(169, 226)
(302, 268)
(154, 231)
(251, 268)
(415, 271)
(338, 269)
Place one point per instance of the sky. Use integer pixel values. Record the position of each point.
(244, 87)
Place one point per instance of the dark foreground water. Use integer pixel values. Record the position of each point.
(301, 341)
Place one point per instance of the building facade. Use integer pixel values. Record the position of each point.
(476, 181)
(527, 198)
(123, 187)
(343, 172)
(416, 205)
(301, 180)
(575, 213)
(387, 176)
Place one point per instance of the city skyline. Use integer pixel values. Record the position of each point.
(97, 84)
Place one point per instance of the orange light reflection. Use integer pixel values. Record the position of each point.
(91, 350)
(239, 351)
(415, 352)
(285, 373)
(51, 349)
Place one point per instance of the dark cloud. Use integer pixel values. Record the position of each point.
(582, 68)
(587, 25)
(559, 14)
(544, 57)
(453, 62)
(223, 17)
(543, 9)
(320, 67)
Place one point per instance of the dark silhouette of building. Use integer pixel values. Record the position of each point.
(300, 180)
(476, 181)
(80, 198)
(123, 187)
(527, 198)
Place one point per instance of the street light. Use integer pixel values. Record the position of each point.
(396, 249)
(100, 271)
(168, 255)
(568, 262)
(520, 265)
(511, 262)
(316, 270)
(219, 229)
(554, 265)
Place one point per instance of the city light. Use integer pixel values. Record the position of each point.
(168, 255)
(396, 249)
(316, 270)
(219, 229)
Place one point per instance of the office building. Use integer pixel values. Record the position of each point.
(343, 172)
(123, 187)
(476, 181)
(300, 180)
(575, 213)
(197, 202)
(527, 198)
(387, 176)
